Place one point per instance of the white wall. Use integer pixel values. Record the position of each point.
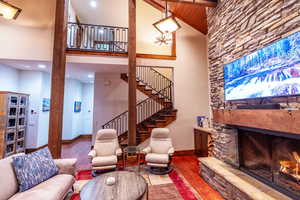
(165, 71)
(8, 78)
(44, 116)
(87, 107)
(30, 37)
(190, 68)
(33, 88)
(110, 98)
(146, 33)
(37, 85)
(72, 13)
(107, 12)
(72, 124)
(190, 82)
(115, 13)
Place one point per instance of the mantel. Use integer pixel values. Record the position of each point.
(275, 120)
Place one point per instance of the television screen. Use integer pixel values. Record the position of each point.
(271, 71)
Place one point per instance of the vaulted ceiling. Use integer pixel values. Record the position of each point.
(194, 14)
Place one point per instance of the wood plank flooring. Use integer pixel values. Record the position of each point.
(187, 165)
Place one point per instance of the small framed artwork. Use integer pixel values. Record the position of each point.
(46, 105)
(77, 106)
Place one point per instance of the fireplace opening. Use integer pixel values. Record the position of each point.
(272, 159)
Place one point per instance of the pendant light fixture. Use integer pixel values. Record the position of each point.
(168, 24)
(9, 11)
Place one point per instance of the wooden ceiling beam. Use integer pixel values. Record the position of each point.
(205, 3)
(155, 5)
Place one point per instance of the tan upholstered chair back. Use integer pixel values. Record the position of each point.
(106, 142)
(160, 141)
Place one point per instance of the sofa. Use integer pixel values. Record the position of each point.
(55, 188)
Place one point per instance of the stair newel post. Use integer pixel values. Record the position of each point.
(132, 119)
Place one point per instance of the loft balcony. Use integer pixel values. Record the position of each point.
(91, 39)
(97, 38)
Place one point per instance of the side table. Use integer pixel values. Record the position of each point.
(131, 150)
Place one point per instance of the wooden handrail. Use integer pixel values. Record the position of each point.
(161, 85)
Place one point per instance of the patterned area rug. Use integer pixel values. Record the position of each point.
(161, 187)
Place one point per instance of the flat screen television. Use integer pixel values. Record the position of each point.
(269, 72)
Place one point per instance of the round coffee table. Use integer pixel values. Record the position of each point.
(128, 186)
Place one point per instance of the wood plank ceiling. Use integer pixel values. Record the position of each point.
(192, 14)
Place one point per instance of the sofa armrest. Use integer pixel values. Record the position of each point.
(66, 166)
(171, 151)
(92, 154)
(146, 150)
(119, 152)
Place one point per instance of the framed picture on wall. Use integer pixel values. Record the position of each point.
(46, 105)
(77, 106)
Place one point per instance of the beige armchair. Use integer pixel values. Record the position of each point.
(106, 150)
(160, 151)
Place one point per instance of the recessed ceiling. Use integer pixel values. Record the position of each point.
(79, 71)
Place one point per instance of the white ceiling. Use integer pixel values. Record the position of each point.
(107, 12)
(78, 71)
(35, 13)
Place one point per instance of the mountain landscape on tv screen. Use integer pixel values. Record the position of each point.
(271, 71)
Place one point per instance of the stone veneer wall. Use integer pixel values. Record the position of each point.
(235, 29)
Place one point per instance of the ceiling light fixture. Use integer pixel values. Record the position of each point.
(91, 76)
(168, 24)
(9, 11)
(163, 39)
(41, 66)
(93, 4)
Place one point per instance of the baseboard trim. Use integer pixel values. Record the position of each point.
(76, 138)
(185, 153)
(30, 150)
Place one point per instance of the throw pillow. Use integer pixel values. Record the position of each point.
(33, 169)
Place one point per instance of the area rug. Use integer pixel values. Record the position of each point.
(161, 187)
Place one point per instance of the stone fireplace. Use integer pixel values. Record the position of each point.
(237, 28)
(271, 157)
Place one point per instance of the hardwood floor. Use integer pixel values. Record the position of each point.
(189, 168)
(187, 165)
(79, 150)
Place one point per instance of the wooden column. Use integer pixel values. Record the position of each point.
(58, 78)
(132, 118)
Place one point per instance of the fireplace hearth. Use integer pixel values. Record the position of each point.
(271, 158)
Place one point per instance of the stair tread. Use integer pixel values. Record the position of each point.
(167, 115)
(160, 120)
(143, 132)
(150, 125)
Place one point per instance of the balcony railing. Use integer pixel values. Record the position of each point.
(88, 37)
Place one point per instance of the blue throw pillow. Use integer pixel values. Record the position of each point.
(33, 169)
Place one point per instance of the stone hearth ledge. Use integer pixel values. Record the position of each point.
(235, 184)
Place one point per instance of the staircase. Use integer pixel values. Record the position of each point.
(154, 112)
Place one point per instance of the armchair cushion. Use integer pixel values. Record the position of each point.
(118, 152)
(104, 160)
(147, 150)
(92, 154)
(171, 151)
(157, 158)
(66, 166)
